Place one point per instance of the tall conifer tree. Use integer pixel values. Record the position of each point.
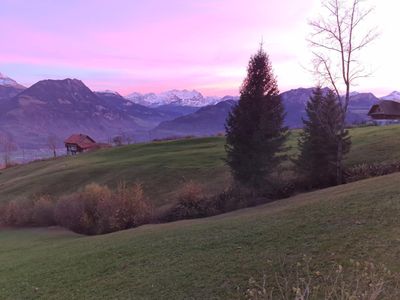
(319, 139)
(254, 129)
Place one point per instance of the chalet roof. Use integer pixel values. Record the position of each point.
(82, 140)
(385, 109)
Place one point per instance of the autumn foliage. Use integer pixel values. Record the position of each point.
(94, 210)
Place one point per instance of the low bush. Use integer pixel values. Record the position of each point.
(191, 203)
(25, 212)
(234, 198)
(78, 211)
(18, 213)
(43, 211)
(97, 209)
(3, 208)
(364, 171)
(127, 208)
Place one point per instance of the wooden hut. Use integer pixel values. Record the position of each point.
(78, 143)
(385, 110)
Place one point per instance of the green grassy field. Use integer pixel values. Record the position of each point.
(162, 167)
(207, 258)
(195, 259)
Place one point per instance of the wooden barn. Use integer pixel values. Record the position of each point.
(385, 110)
(78, 143)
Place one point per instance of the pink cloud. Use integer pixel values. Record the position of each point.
(154, 45)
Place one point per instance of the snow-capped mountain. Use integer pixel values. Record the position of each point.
(108, 92)
(394, 96)
(7, 81)
(174, 97)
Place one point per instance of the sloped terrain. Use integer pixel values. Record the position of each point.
(162, 167)
(207, 258)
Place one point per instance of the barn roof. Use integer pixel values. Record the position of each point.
(82, 140)
(385, 109)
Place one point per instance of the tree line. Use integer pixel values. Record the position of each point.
(255, 131)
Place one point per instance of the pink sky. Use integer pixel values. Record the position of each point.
(156, 45)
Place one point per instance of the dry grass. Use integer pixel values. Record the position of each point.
(304, 281)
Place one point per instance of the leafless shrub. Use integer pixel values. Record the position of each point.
(18, 213)
(368, 170)
(43, 211)
(98, 210)
(126, 208)
(191, 203)
(69, 212)
(3, 208)
(79, 211)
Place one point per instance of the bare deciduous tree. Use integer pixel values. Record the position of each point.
(52, 142)
(7, 146)
(338, 37)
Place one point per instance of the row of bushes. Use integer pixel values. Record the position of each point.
(192, 202)
(97, 209)
(94, 210)
(364, 171)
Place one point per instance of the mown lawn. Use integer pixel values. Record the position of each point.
(208, 258)
(163, 167)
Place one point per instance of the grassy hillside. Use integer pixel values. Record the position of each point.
(163, 166)
(207, 258)
(159, 166)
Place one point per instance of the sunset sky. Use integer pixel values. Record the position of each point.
(156, 45)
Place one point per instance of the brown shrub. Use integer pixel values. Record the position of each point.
(3, 208)
(68, 212)
(127, 208)
(366, 170)
(25, 212)
(191, 203)
(98, 210)
(43, 211)
(18, 213)
(233, 198)
(79, 211)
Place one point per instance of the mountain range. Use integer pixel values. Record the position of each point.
(175, 97)
(62, 107)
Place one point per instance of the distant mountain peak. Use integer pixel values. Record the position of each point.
(394, 96)
(184, 97)
(110, 92)
(7, 81)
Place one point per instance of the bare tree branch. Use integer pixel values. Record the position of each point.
(334, 43)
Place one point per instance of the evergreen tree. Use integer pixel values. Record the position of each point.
(318, 143)
(255, 134)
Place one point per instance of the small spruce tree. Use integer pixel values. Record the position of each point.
(255, 134)
(318, 142)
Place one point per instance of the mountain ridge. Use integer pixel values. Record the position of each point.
(173, 97)
(9, 82)
(394, 96)
(69, 106)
